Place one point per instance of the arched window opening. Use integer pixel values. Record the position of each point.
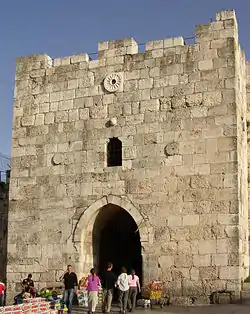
(114, 152)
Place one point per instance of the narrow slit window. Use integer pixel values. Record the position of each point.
(114, 152)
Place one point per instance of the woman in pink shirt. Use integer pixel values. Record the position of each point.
(134, 287)
(93, 284)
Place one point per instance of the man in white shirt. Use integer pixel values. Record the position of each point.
(123, 286)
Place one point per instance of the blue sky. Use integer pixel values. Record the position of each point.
(65, 27)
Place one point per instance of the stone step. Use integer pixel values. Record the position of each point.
(245, 297)
(79, 310)
(246, 286)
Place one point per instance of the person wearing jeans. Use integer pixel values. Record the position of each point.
(134, 287)
(123, 286)
(108, 284)
(70, 282)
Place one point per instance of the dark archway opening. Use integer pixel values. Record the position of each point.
(116, 239)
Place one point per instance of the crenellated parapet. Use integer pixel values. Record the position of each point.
(212, 35)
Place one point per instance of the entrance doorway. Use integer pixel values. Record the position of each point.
(117, 240)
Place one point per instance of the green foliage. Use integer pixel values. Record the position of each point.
(247, 280)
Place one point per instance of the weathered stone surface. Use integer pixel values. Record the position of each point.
(4, 190)
(180, 115)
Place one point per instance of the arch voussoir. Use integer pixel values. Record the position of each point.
(82, 236)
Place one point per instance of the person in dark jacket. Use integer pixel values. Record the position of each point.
(28, 281)
(70, 282)
(108, 284)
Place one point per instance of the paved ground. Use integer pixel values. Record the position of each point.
(209, 309)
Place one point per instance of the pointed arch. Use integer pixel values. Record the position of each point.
(82, 235)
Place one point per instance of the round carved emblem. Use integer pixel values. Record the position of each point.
(171, 149)
(112, 82)
(57, 159)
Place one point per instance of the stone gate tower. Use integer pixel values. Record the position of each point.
(160, 136)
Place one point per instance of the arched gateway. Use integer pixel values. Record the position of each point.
(111, 229)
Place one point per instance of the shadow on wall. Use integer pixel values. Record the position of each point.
(4, 207)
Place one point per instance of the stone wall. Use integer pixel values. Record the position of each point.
(248, 126)
(242, 232)
(180, 113)
(4, 187)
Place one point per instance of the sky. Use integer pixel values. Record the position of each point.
(66, 27)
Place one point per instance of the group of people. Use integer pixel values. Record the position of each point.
(128, 286)
(29, 287)
(28, 290)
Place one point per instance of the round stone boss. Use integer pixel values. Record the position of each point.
(112, 82)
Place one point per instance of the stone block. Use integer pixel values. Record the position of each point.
(227, 144)
(98, 112)
(61, 61)
(114, 60)
(157, 53)
(246, 287)
(207, 246)
(229, 272)
(208, 273)
(245, 297)
(55, 96)
(129, 153)
(174, 221)
(28, 120)
(73, 84)
(212, 98)
(154, 72)
(49, 118)
(174, 69)
(84, 57)
(150, 105)
(173, 42)
(224, 298)
(42, 98)
(190, 220)
(39, 119)
(202, 260)
(145, 83)
(183, 260)
(61, 116)
(225, 15)
(166, 262)
(205, 65)
(73, 115)
(219, 259)
(43, 108)
(132, 50)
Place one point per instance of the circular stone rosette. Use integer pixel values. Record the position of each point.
(112, 82)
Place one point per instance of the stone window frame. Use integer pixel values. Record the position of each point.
(114, 152)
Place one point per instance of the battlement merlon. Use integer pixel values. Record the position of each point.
(224, 27)
(113, 48)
